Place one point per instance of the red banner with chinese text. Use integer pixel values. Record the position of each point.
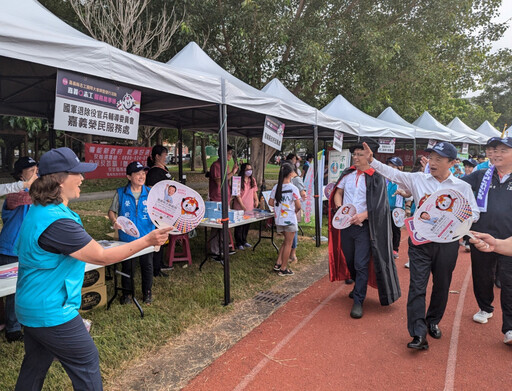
(113, 159)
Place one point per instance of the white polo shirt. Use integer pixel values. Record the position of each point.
(422, 185)
(354, 190)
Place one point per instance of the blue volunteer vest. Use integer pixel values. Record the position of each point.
(135, 211)
(392, 187)
(48, 291)
(12, 219)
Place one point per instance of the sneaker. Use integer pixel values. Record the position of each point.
(406, 265)
(241, 247)
(125, 300)
(14, 336)
(248, 245)
(395, 254)
(349, 281)
(482, 316)
(148, 299)
(277, 267)
(286, 272)
(508, 338)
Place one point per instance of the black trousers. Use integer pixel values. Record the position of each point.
(397, 235)
(158, 260)
(438, 259)
(71, 344)
(146, 271)
(355, 241)
(484, 267)
(241, 234)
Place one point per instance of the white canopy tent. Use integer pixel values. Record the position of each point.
(34, 43)
(325, 122)
(488, 130)
(426, 121)
(246, 105)
(460, 127)
(392, 116)
(365, 124)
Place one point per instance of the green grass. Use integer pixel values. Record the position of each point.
(187, 298)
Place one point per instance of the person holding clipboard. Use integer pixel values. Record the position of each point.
(438, 259)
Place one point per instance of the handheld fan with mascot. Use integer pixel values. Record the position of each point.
(172, 204)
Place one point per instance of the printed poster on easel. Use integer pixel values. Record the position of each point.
(273, 132)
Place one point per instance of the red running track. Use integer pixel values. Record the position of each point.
(311, 343)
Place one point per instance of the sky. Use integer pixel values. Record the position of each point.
(505, 14)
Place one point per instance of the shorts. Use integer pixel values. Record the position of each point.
(286, 228)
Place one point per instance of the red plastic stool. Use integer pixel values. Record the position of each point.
(184, 255)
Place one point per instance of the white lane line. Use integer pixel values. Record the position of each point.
(454, 342)
(250, 376)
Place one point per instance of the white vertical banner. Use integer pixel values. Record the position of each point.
(465, 148)
(308, 206)
(337, 161)
(273, 132)
(337, 142)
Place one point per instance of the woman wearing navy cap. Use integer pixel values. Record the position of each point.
(51, 272)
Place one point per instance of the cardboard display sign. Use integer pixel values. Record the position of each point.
(446, 216)
(398, 217)
(128, 226)
(341, 219)
(171, 204)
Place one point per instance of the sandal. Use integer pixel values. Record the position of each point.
(277, 267)
(292, 260)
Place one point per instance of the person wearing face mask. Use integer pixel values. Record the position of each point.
(363, 251)
(436, 258)
(14, 210)
(247, 200)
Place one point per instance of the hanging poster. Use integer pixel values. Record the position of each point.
(236, 185)
(113, 159)
(171, 204)
(337, 143)
(273, 132)
(387, 145)
(465, 148)
(338, 161)
(85, 104)
(431, 143)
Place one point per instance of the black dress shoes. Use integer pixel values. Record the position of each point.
(357, 311)
(434, 331)
(418, 343)
(351, 294)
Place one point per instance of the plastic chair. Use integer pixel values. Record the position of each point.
(182, 256)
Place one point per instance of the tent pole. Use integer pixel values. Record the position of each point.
(180, 154)
(318, 229)
(224, 197)
(414, 151)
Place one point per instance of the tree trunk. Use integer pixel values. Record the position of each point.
(159, 137)
(257, 159)
(203, 154)
(193, 154)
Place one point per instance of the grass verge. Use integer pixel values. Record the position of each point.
(188, 297)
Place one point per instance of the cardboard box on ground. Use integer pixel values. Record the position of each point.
(94, 290)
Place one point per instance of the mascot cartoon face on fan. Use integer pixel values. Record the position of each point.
(445, 203)
(189, 206)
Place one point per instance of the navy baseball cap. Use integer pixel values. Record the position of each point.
(470, 162)
(134, 167)
(63, 160)
(24, 162)
(444, 149)
(495, 141)
(396, 161)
